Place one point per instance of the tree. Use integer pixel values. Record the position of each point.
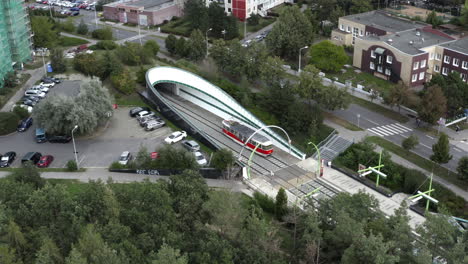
(57, 61)
(433, 104)
(94, 249)
(106, 45)
(360, 6)
(49, 253)
(109, 65)
(87, 64)
(196, 46)
(10, 80)
(228, 56)
(437, 232)
(410, 142)
(197, 14)
(291, 32)
(142, 158)
(181, 48)
(151, 47)
(217, 19)
(89, 110)
(29, 174)
(281, 204)
(75, 257)
(68, 25)
(255, 60)
(176, 158)
(327, 56)
(171, 43)
(399, 95)
(223, 159)
(231, 27)
(454, 89)
(272, 72)
(131, 53)
(434, 20)
(82, 28)
(168, 255)
(45, 33)
(98, 203)
(102, 33)
(369, 249)
(462, 168)
(253, 20)
(15, 238)
(441, 150)
(123, 82)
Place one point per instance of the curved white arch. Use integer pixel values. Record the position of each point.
(213, 99)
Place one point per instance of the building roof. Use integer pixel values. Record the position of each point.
(460, 45)
(146, 4)
(412, 41)
(384, 21)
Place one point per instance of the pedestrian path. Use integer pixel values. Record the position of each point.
(388, 130)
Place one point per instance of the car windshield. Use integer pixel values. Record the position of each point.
(123, 158)
(4, 158)
(200, 157)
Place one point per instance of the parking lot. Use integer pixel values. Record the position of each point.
(122, 133)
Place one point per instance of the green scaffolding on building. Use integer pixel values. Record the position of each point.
(15, 37)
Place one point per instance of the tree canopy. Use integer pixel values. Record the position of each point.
(45, 31)
(321, 54)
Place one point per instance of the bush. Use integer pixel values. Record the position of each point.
(70, 42)
(72, 166)
(123, 82)
(102, 33)
(116, 166)
(265, 202)
(462, 168)
(106, 45)
(21, 112)
(8, 122)
(68, 25)
(410, 142)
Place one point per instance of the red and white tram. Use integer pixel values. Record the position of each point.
(240, 133)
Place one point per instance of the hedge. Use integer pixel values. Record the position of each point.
(8, 122)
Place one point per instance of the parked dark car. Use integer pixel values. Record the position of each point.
(76, 13)
(7, 159)
(59, 139)
(29, 102)
(45, 161)
(51, 80)
(75, 9)
(25, 124)
(134, 111)
(32, 98)
(33, 157)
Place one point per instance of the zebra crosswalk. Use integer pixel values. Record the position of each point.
(388, 130)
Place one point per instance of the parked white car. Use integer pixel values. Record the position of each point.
(200, 158)
(27, 107)
(145, 114)
(48, 85)
(125, 157)
(175, 137)
(37, 93)
(40, 88)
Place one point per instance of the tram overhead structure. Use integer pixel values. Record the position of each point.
(197, 90)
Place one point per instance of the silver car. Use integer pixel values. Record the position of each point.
(154, 124)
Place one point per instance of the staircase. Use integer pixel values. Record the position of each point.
(332, 148)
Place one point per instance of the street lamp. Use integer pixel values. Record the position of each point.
(74, 146)
(300, 53)
(206, 35)
(319, 161)
(95, 16)
(139, 30)
(224, 34)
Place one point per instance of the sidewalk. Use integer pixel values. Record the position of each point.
(357, 136)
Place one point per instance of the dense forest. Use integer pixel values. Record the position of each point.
(184, 221)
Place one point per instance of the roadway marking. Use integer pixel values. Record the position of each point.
(457, 150)
(425, 146)
(371, 121)
(429, 137)
(83, 157)
(390, 129)
(403, 136)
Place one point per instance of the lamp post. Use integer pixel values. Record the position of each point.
(300, 53)
(224, 34)
(319, 161)
(139, 30)
(95, 16)
(206, 37)
(74, 146)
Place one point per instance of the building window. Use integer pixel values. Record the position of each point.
(423, 64)
(421, 76)
(446, 59)
(414, 77)
(229, 1)
(463, 76)
(456, 62)
(444, 71)
(438, 56)
(361, 33)
(372, 65)
(465, 65)
(388, 72)
(372, 54)
(379, 68)
(133, 11)
(389, 59)
(348, 29)
(341, 26)
(416, 65)
(367, 33)
(431, 56)
(229, 10)
(436, 68)
(122, 9)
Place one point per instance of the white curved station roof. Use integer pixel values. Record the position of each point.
(219, 97)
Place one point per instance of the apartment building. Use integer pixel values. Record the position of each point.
(396, 49)
(15, 37)
(243, 9)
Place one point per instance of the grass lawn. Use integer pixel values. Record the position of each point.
(70, 41)
(177, 27)
(73, 186)
(379, 109)
(263, 22)
(419, 161)
(365, 79)
(338, 120)
(45, 169)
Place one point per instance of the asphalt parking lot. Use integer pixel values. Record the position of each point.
(123, 133)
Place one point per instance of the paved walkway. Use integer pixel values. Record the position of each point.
(359, 135)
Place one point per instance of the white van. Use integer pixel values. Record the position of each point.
(40, 88)
(37, 93)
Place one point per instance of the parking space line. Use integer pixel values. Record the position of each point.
(425, 146)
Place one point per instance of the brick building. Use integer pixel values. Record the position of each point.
(143, 12)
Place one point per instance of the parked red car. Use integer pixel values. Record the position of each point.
(45, 161)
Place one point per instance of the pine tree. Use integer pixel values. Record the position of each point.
(196, 46)
(281, 204)
(441, 150)
(82, 28)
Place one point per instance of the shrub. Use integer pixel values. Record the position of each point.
(106, 45)
(123, 82)
(102, 33)
(8, 122)
(462, 168)
(72, 166)
(116, 166)
(21, 112)
(70, 42)
(265, 202)
(410, 142)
